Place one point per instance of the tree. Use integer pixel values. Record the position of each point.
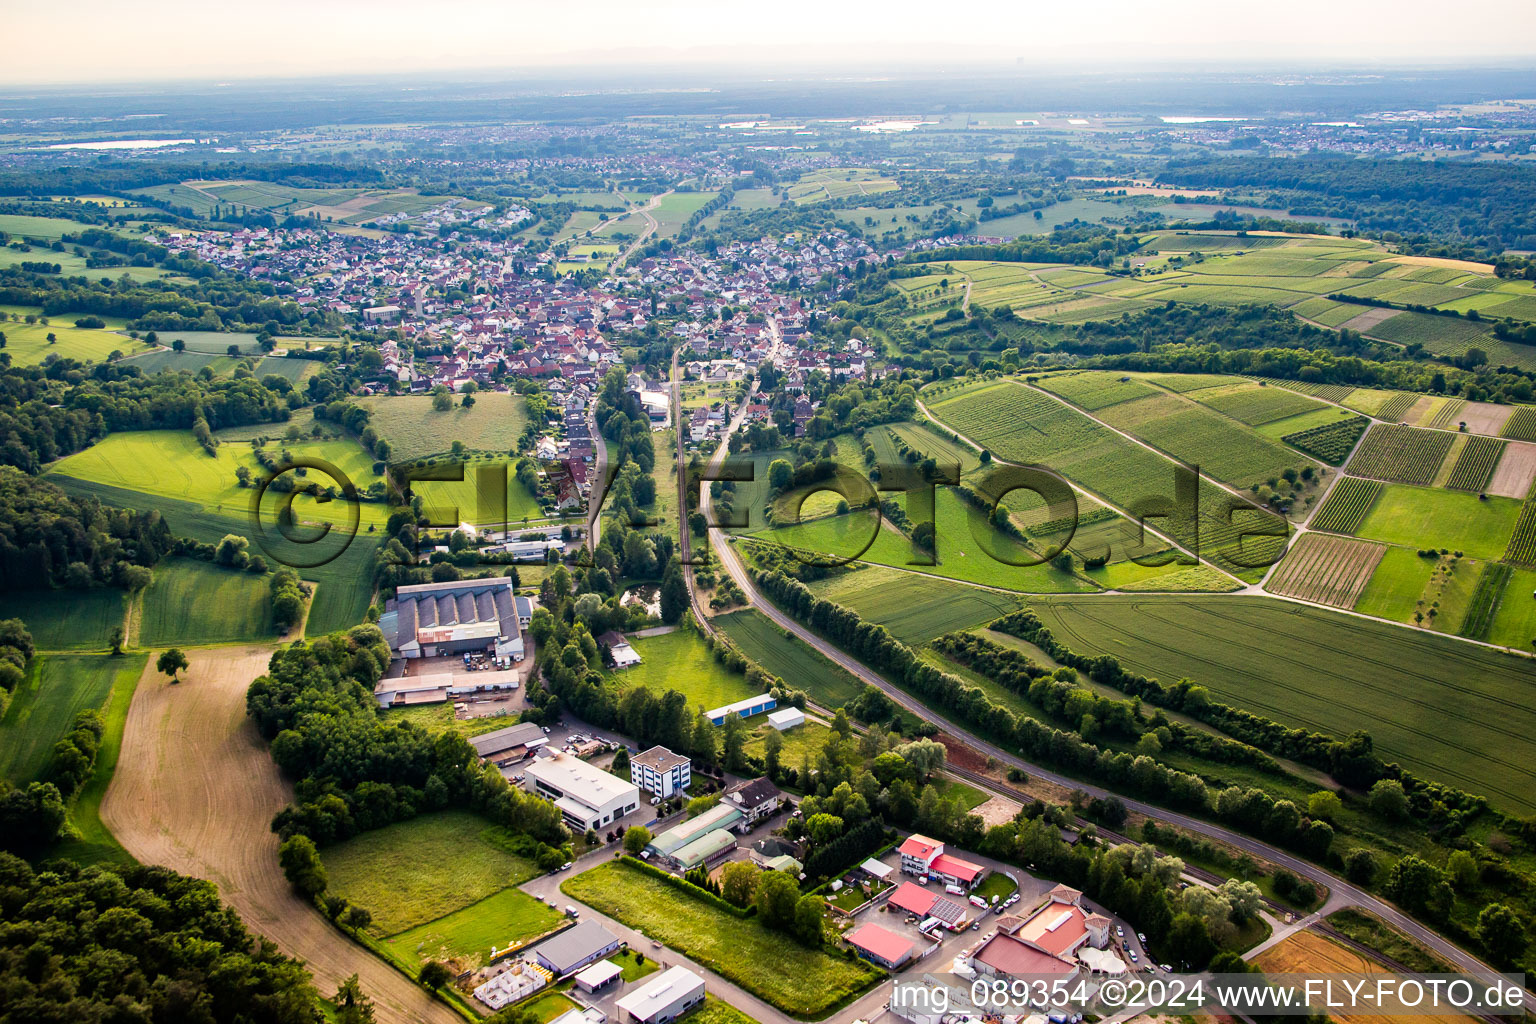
(674, 593)
(1360, 867)
(171, 662)
(777, 894)
(780, 475)
(1189, 942)
(773, 746)
(115, 640)
(1463, 869)
(810, 911)
(1325, 804)
(1419, 886)
(301, 865)
(442, 401)
(738, 882)
(636, 839)
(734, 743)
(924, 755)
(178, 345)
(824, 828)
(352, 1007)
(434, 975)
(1388, 799)
(620, 765)
(1501, 932)
(357, 918)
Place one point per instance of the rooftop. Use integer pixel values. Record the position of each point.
(574, 945)
(667, 987)
(574, 776)
(1007, 955)
(520, 735)
(659, 758)
(886, 945)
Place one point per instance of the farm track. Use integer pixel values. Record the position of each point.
(195, 790)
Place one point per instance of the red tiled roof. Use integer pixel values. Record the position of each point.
(919, 846)
(1008, 955)
(944, 864)
(1070, 928)
(886, 945)
(912, 898)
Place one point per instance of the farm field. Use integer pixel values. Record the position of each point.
(1514, 619)
(914, 608)
(1404, 455)
(1521, 425)
(45, 702)
(1418, 517)
(171, 464)
(67, 620)
(415, 430)
(679, 661)
(1440, 706)
(456, 859)
(801, 742)
(1307, 952)
(1330, 441)
(1347, 505)
(1257, 404)
(1200, 437)
(1396, 586)
(791, 660)
(802, 982)
(28, 344)
(466, 936)
(191, 602)
(1485, 600)
(1474, 466)
(344, 584)
(1516, 471)
(1327, 570)
(1093, 390)
(1522, 543)
(673, 211)
(839, 183)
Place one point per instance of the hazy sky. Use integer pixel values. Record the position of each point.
(110, 40)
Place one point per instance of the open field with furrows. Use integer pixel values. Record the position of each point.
(1022, 425)
(1330, 442)
(415, 430)
(1428, 517)
(344, 583)
(192, 602)
(1474, 466)
(1400, 454)
(1347, 505)
(1451, 710)
(66, 620)
(342, 205)
(1514, 618)
(788, 658)
(1308, 952)
(1327, 570)
(171, 464)
(455, 859)
(805, 983)
(673, 211)
(679, 661)
(1183, 383)
(914, 608)
(1478, 620)
(43, 707)
(1327, 392)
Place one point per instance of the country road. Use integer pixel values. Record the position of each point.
(196, 789)
(1345, 893)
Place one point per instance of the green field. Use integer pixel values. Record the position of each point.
(1395, 586)
(1203, 438)
(28, 343)
(1474, 466)
(799, 665)
(415, 430)
(1330, 440)
(1455, 712)
(1093, 390)
(1256, 404)
(679, 661)
(95, 842)
(344, 584)
(44, 705)
(804, 983)
(914, 608)
(1428, 517)
(66, 620)
(1514, 620)
(192, 602)
(500, 920)
(420, 870)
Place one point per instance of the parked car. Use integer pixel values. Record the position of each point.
(1119, 932)
(1141, 938)
(1167, 967)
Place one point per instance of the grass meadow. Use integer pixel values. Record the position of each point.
(500, 920)
(798, 664)
(55, 689)
(192, 602)
(914, 608)
(67, 620)
(415, 430)
(804, 983)
(679, 661)
(1427, 517)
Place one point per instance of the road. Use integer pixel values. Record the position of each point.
(1345, 893)
(598, 485)
(196, 789)
(650, 229)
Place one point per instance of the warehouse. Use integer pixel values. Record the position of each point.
(745, 708)
(673, 993)
(430, 620)
(587, 796)
(505, 746)
(575, 948)
(720, 816)
(881, 946)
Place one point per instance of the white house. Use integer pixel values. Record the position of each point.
(660, 772)
(786, 719)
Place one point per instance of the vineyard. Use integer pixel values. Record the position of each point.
(1327, 392)
(1401, 454)
(1522, 545)
(1347, 505)
(1446, 415)
(1197, 436)
(1094, 391)
(1474, 467)
(1326, 570)
(1185, 382)
(1331, 442)
(1256, 405)
(1521, 425)
(1396, 407)
(1485, 600)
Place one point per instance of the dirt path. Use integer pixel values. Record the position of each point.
(195, 790)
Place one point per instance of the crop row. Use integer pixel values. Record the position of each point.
(1522, 543)
(1094, 391)
(1521, 425)
(1474, 466)
(1395, 408)
(1447, 413)
(1347, 506)
(1327, 392)
(1401, 454)
(1327, 570)
(1331, 442)
(1256, 406)
(1485, 600)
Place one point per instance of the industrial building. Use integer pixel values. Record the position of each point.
(660, 772)
(575, 948)
(881, 946)
(786, 719)
(509, 745)
(673, 993)
(430, 620)
(587, 796)
(745, 708)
